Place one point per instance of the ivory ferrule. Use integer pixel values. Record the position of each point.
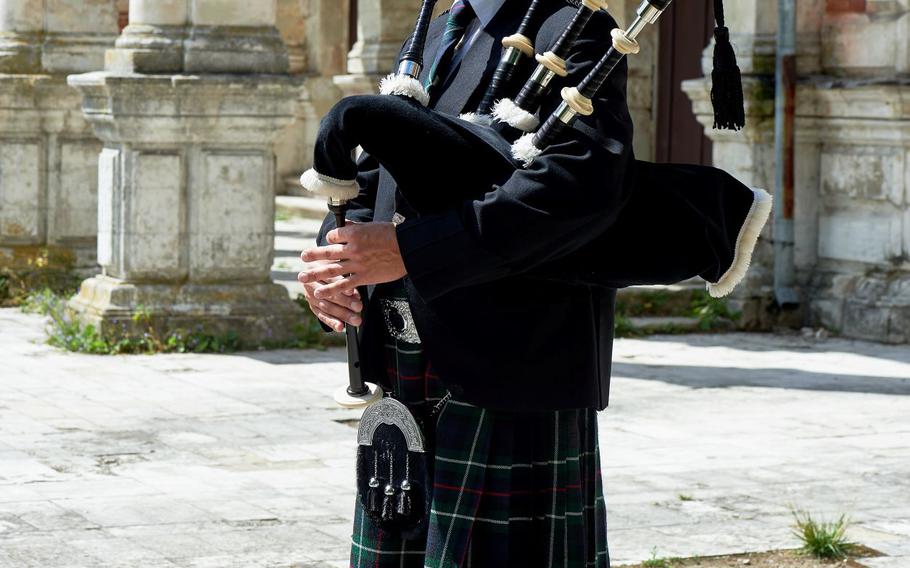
(335, 202)
(409, 68)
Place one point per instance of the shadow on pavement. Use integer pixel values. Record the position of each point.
(784, 378)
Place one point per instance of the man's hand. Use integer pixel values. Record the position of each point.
(333, 310)
(360, 254)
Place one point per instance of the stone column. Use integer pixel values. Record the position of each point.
(316, 35)
(382, 27)
(48, 154)
(186, 177)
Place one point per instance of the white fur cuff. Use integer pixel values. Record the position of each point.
(745, 245)
(474, 118)
(524, 149)
(507, 111)
(329, 187)
(404, 85)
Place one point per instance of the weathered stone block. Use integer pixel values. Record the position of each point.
(899, 325)
(231, 191)
(75, 203)
(23, 203)
(827, 313)
(870, 173)
(866, 322)
(154, 225)
(863, 234)
(216, 49)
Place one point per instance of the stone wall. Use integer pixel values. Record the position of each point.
(48, 153)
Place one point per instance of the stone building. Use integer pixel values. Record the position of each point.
(163, 128)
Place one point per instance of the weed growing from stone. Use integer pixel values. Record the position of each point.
(66, 332)
(655, 562)
(823, 540)
(711, 311)
(44, 269)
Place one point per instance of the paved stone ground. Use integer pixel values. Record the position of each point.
(243, 460)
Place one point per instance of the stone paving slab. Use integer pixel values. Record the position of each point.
(244, 460)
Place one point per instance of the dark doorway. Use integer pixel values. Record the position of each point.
(352, 24)
(685, 30)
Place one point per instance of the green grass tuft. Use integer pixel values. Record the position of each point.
(827, 541)
(655, 562)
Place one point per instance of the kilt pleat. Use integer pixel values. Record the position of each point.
(509, 488)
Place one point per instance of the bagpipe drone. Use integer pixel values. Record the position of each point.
(684, 220)
(694, 204)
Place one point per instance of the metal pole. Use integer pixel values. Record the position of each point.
(784, 146)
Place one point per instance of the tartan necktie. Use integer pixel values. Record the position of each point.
(460, 15)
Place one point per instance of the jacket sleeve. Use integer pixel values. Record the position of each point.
(568, 196)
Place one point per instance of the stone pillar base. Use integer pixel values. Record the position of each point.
(147, 49)
(874, 306)
(257, 312)
(222, 49)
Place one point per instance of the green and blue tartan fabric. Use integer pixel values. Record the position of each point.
(509, 489)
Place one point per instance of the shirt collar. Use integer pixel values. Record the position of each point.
(486, 9)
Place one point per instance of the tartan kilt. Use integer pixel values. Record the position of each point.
(509, 488)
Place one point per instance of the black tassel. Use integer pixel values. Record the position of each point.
(373, 501)
(726, 78)
(404, 504)
(388, 512)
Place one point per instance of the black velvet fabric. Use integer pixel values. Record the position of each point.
(499, 336)
(682, 221)
(404, 513)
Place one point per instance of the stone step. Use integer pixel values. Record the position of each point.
(663, 324)
(297, 206)
(657, 300)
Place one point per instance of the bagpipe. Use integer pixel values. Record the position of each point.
(682, 220)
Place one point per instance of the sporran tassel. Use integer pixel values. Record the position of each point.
(373, 501)
(404, 504)
(388, 511)
(726, 78)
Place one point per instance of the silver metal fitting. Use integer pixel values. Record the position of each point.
(565, 113)
(511, 55)
(409, 68)
(542, 76)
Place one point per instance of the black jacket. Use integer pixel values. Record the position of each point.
(500, 332)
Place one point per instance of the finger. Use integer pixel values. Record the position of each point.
(338, 287)
(329, 321)
(323, 272)
(330, 252)
(339, 312)
(347, 300)
(340, 235)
